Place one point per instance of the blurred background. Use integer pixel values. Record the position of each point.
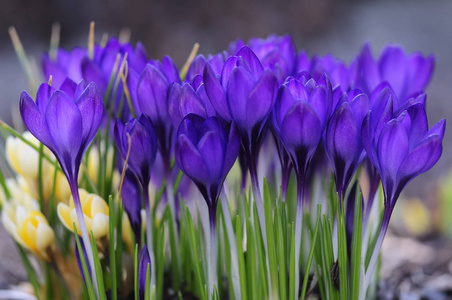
(318, 26)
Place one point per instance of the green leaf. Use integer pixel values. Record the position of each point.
(30, 272)
(113, 270)
(89, 283)
(311, 252)
(98, 269)
(270, 239)
(356, 248)
(342, 254)
(135, 268)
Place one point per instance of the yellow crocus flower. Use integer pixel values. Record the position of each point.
(29, 227)
(95, 211)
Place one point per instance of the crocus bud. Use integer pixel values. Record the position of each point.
(95, 212)
(29, 228)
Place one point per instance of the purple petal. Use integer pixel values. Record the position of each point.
(420, 159)
(393, 68)
(438, 129)
(170, 70)
(190, 160)
(43, 97)
(216, 93)
(239, 87)
(132, 201)
(342, 134)
(232, 149)
(34, 120)
(152, 92)
(91, 72)
(212, 150)
(370, 74)
(319, 102)
(301, 127)
(91, 107)
(392, 148)
(421, 70)
(65, 123)
(419, 124)
(229, 66)
(261, 99)
(251, 59)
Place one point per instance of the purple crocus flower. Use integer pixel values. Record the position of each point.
(145, 262)
(407, 74)
(66, 121)
(400, 150)
(336, 69)
(276, 53)
(300, 116)
(152, 99)
(343, 138)
(99, 68)
(197, 66)
(66, 64)
(184, 99)
(205, 151)
(245, 93)
(306, 108)
(143, 148)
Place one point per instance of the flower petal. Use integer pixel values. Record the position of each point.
(261, 99)
(190, 160)
(91, 107)
(216, 93)
(239, 87)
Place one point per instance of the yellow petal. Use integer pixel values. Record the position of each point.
(64, 214)
(45, 236)
(98, 205)
(100, 226)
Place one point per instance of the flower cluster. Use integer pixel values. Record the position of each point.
(313, 115)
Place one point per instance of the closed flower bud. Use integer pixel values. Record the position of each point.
(95, 212)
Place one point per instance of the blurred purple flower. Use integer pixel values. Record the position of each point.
(196, 68)
(145, 261)
(153, 100)
(276, 53)
(143, 147)
(336, 69)
(407, 74)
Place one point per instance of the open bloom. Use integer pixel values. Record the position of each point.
(29, 227)
(65, 121)
(404, 149)
(95, 212)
